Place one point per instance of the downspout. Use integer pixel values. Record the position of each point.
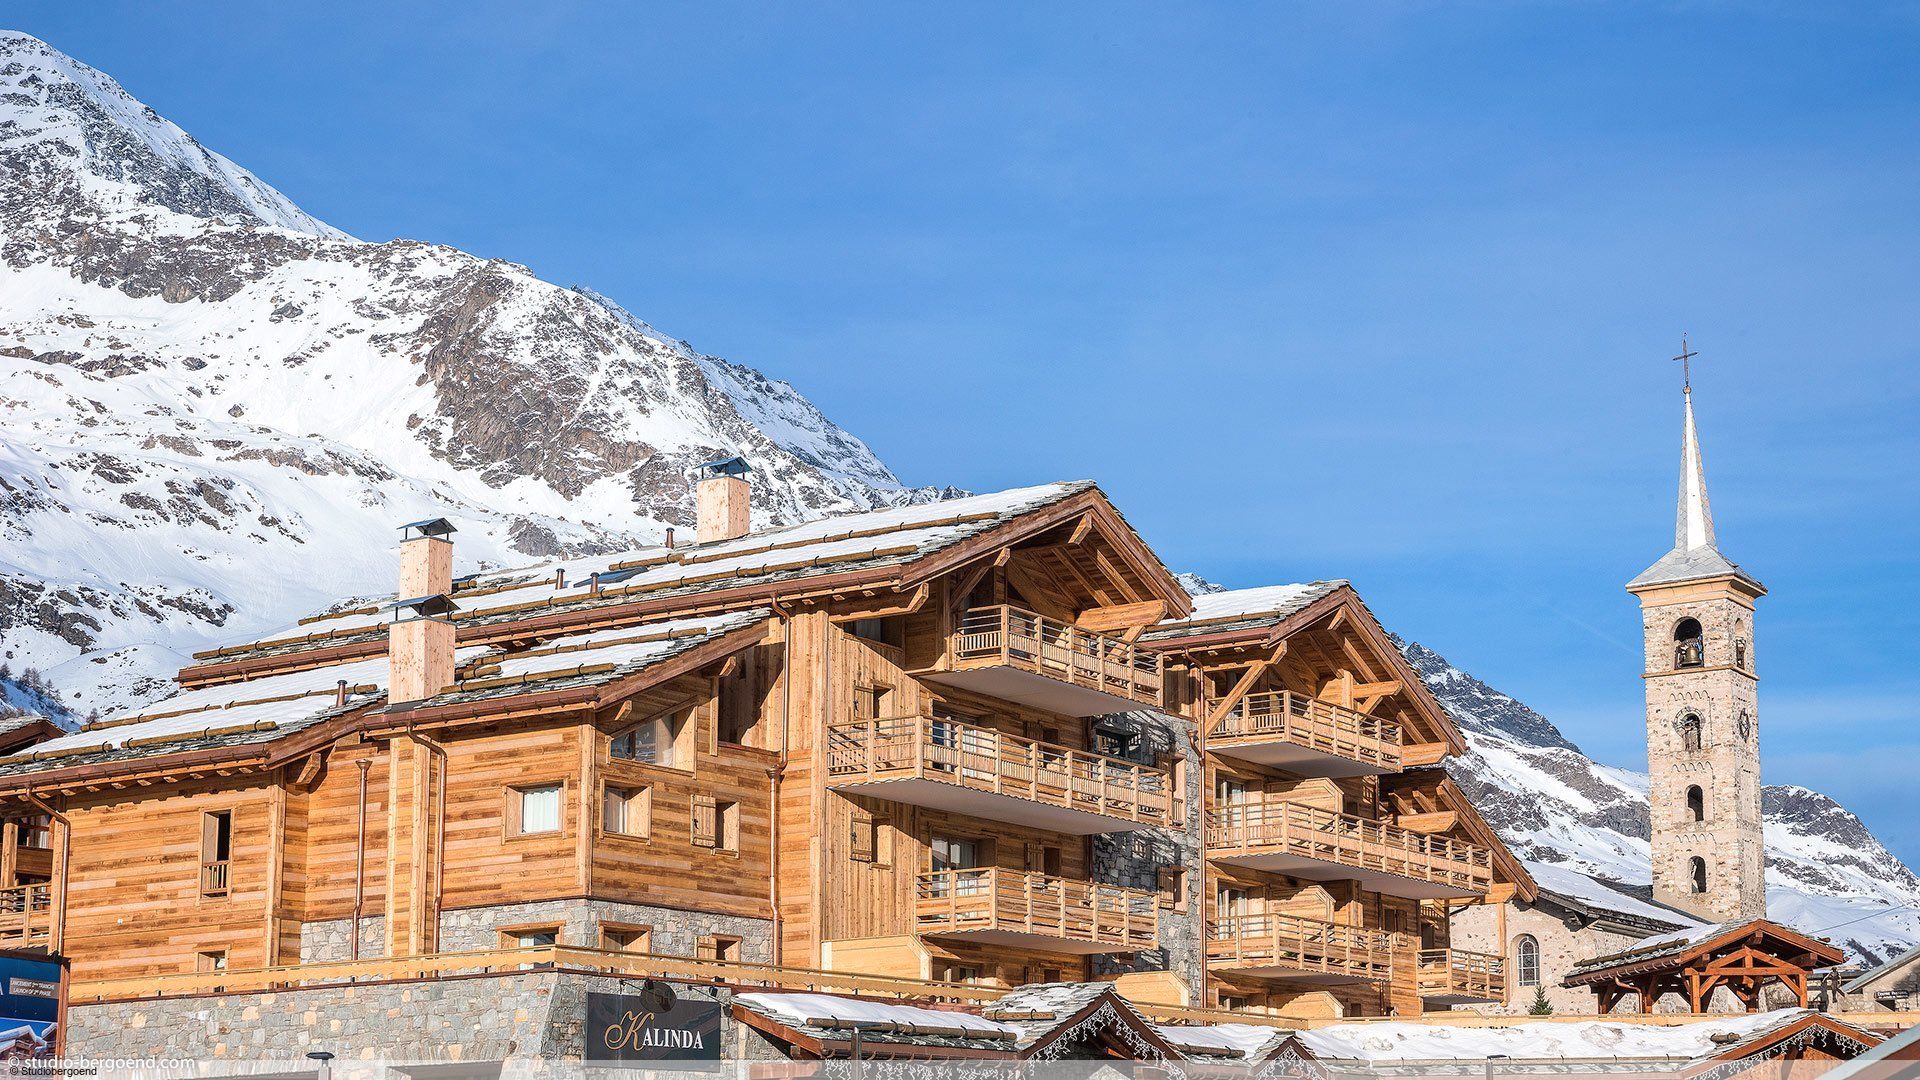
(57, 935)
(360, 861)
(775, 774)
(1202, 791)
(439, 827)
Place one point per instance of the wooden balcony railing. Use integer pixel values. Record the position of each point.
(213, 878)
(1314, 725)
(1014, 637)
(1309, 832)
(1288, 943)
(1013, 902)
(937, 748)
(26, 915)
(1462, 974)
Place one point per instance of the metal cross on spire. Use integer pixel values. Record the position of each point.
(1686, 363)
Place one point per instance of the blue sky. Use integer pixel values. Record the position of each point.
(1382, 292)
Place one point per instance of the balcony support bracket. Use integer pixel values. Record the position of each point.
(1244, 686)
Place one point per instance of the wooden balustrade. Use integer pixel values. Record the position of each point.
(1309, 832)
(994, 900)
(1457, 973)
(967, 755)
(1008, 636)
(1311, 724)
(1286, 943)
(26, 915)
(213, 878)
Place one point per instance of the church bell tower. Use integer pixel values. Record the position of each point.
(1703, 734)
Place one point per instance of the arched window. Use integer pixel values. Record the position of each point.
(1690, 738)
(1740, 653)
(1696, 803)
(1526, 960)
(1689, 647)
(1697, 869)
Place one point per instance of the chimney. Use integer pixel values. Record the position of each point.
(420, 638)
(720, 501)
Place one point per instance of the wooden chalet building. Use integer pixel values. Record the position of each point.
(989, 741)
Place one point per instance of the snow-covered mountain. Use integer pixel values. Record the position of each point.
(1826, 873)
(216, 407)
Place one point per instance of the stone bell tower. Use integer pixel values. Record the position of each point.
(1703, 734)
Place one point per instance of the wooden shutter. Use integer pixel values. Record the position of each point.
(863, 843)
(1173, 888)
(706, 821)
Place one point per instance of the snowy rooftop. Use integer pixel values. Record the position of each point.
(1237, 609)
(835, 544)
(1594, 894)
(1248, 1042)
(830, 1018)
(1543, 1040)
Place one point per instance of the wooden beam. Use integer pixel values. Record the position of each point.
(1436, 822)
(1241, 688)
(1416, 754)
(1081, 530)
(1105, 620)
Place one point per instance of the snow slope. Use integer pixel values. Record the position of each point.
(209, 396)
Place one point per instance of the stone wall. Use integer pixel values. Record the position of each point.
(531, 1014)
(330, 940)
(1135, 859)
(675, 932)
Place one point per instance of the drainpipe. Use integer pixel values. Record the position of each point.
(360, 862)
(1198, 683)
(57, 934)
(439, 826)
(775, 774)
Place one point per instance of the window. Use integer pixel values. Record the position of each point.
(738, 719)
(1235, 1002)
(535, 809)
(1689, 645)
(1115, 743)
(1173, 888)
(1690, 736)
(1232, 902)
(529, 937)
(949, 859)
(627, 811)
(716, 823)
(958, 973)
(37, 832)
(719, 947)
(1043, 859)
(654, 742)
(627, 939)
(884, 631)
(1696, 803)
(1740, 653)
(1697, 870)
(212, 960)
(216, 851)
(1526, 960)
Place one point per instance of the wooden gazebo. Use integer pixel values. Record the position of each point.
(1743, 957)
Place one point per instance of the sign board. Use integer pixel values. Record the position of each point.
(633, 1028)
(30, 991)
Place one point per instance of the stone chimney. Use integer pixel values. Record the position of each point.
(420, 638)
(720, 501)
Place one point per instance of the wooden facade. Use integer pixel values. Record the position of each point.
(880, 747)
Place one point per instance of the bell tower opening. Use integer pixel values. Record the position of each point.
(1703, 752)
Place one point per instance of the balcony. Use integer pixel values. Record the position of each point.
(1034, 911)
(1306, 950)
(1016, 655)
(966, 769)
(1307, 735)
(1458, 977)
(214, 877)
(1307, 842)
(26, 916)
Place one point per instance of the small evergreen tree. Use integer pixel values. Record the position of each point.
(1541, 1006)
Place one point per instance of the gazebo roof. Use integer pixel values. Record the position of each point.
(1677, 950)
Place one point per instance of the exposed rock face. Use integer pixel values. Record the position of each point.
(1826, 873)
(215, 407)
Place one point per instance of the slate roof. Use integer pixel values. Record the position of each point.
(1589, 895)
(1682, 564)
(242, 726)
(1243, 609)
(1861, 981)
(1685, 939)
(834, 545)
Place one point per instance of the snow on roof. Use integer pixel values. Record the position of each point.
(1541, 1040)
(1668, 944)
(826, 1010)
(1593, 892)
(1265, 605)
(1247, 1041)
(816, 547)
(638, 646)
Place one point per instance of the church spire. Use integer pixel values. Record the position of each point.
(1693, 522)
(1696, 553)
